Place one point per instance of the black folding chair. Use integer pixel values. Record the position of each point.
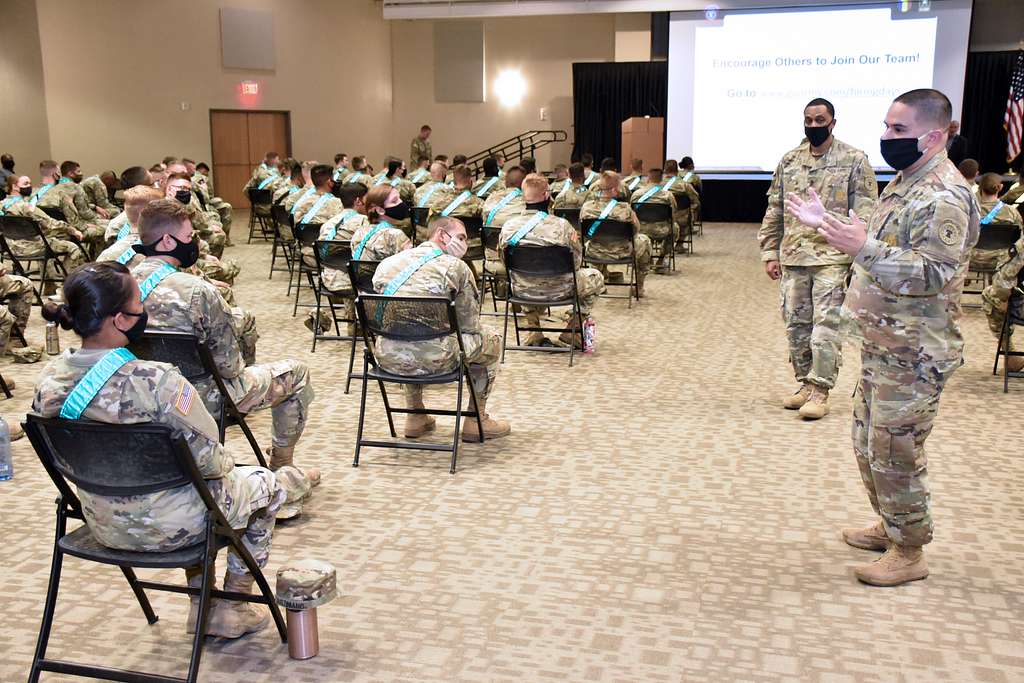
(683, 203)
(360, 275)
(571, 215)
(195, 363)
(418, 215)
(335, 255)
(489, 238)
(992, 237)
(611, 234)
(412, 319)
(306, 235)
(54, 212)
(551, 262)
(22, 228)
(259, 215)
(1014, 318)
(122, 461)
(658, 213)
(284, 241)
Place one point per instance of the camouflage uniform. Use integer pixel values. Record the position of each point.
(1015, 194)
(56, 234)
(558, 185)
(148, 392)
(683, 215)
(634, 181)
(361, 177)
(69, 198)
(204, 186)
(406, 190)
(330, 208)
(665, 231)
(386, 242)
(990, 259)
(419, 177)
(904, 306)
(207, 225)
(261, 173)
(444, 197)
(342, 227)
(552, 231)
(569, 197)
(427, 189)
(96, 195)
(692, 178)
(419, 148)
(592, 208)
(17, 293)
(114, 226)
(996, 297)
(494, 219)
(444, 276)
(186, 303)
(814, 273)
(292, 198)
(306, 584)
(479, 186)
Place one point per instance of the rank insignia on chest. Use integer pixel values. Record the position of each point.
(841, 196)
(950, 233)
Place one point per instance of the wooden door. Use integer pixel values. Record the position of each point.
(239, 140)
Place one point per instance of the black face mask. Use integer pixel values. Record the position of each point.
(901, 152)
(538, 206)
(25, 191)
(135, 331)
(183, 196)
(186, 253)
(817, 135)
(77, 178)
(399, 211)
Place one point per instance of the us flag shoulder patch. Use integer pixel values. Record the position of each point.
(186, 395)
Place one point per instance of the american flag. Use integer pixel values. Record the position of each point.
(1013, 119)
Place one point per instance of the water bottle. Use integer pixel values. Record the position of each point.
(52, 339)
(6, 465)
(589, 335)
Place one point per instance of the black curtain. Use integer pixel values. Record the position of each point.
(606, 94)
(986, 87)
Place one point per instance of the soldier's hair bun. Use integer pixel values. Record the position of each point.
(93, 293)
(58, 313)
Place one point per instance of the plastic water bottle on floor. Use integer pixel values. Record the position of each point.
(6, 465)
(589, 335)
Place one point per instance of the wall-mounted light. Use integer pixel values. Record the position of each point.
(510, 86)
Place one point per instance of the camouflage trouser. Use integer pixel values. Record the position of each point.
(996, 296)
(987, 259)
(17, 291)
(663, 234)
(223, 210)
(223, 270)
(284, 387)
(589, 283)
(249, 497)
(69, 252)
(216, 239)
(812, 297)
(483, 366)
(894, 408)
(245, 329)
(94, 234)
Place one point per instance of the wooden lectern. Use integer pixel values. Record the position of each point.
(643, 137)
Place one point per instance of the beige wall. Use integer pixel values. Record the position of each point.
(633, 37)
(23, 103)
(543, 49)
(117, 70)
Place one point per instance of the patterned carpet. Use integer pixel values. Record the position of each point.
(653, 517)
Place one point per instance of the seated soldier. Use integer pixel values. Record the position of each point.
(1015, 195)
(436, 268)
(321, 205)
(60, 193)
(490, 182)
(590, 176)
(130, 177)
(688, 174)
(179, 302)
(359, 173)
(266, 169)
(178, 187)
(673, 183)
(457, 160)
(98, 190)
(457, 201)
(535, 227)
(595, 190)
(340, 166)
(17, 294)
(650, 192)
(436, 181)
(528, 164)
(993, 210)
(501, 205)
(560, 180)
(375, 237)
(103, 308)
(296, 183)
(292, 198)
(91, 222)
(574, 192)
(606, 206)
(422, 172)
(393, 175)
(202, 184)
(205, 222)
(636, 175)
(63, 238)
(996, 297)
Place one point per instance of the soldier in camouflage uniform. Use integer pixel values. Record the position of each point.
(687, 173)
(573, 193)
(420, 147)
(549, 231)
(635, 177)
(909, 264)
(813, 273)
(393, 175)
(17, 293)
(456, 201)
(649, 191)
(63, 238)
(560, 180)
(375, 237)
(490, 182)
(97, 192)
(206, 223)
(438, 170)
(360, 173)
(993, 210)
(266, 169)
(181, 302)
(103, 307)
(996, 298)
(64, 194)
(609, 185)
(1015, 195)
(203, 184)
(421, 173)
(440, 271)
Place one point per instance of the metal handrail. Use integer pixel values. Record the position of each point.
(522, 145)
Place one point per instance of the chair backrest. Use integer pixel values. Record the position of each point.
(653, 213)
(108, 459)
(281, 215)
(682, 200)
(19, 228)
(262, 197)
(419, 215)
(407, 318)
(54, 213)
(534, 261)
(180, 349)
(607, 231)
(490, 235)
(474, 226)
(571, 215)
(307, 233)
(997, 236)
(333, 254)
(360, 274)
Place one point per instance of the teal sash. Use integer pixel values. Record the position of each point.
(64, 181)
(633, 183)
(686, 178)
(590, 179)
(487, 186)
(504, 200)
(266, 181)
(647, 195)
(124, 231)
(530, 225)
(992, 214)
(39, 193)
(426, 196)
(128, 254)
(357, 253)
(604, 214)
(337, 174)
(156, 277)
(670, 183)
(8, 203)
(354, 176)
(466, 194)
(309, 191)
(346, 215)
(293, 189)
(91, 384)
(316, 207)
(419, 175)
(409, 270)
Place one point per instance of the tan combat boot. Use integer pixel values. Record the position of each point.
(870, 538)
(194, 575)
(493, 429)
(794, 401)
(816, 406)
(233, 618)
(898, 565)
(281, 456)
(417, 425)
(533, 338)
(640, 278)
